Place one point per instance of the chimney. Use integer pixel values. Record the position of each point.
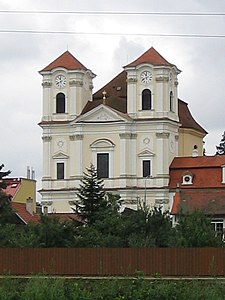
(28, 172)
(45, 210)
(29, 205)
(177, 187)
(32, 173)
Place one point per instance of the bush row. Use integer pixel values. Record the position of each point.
(109, 289)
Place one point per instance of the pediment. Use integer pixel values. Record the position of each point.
(146, 153)
(101, 113)
(60, 155)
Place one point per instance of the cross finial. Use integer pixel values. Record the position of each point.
(104, 96)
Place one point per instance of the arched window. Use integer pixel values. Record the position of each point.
(60, 103)
(171, 101)
(102, 157)
(146, 100)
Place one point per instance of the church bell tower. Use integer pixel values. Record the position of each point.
(67, 87)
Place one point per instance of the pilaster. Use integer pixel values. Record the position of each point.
(46, 157)
(162, 139)
(127, 154)
(76, 150)
(132, 94)
(47, 85)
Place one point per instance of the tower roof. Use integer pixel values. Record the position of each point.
(186, 118)
(152, 57)
(67, 61)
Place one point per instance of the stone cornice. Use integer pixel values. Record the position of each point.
(48, 203)
(78, 83)
(128, 135)
(162, 78)
(46, 138)
(162, 135)
(161, 201)
(46, 84)
(132, 80)
(76, 137)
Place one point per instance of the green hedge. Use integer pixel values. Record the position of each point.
(109, 289)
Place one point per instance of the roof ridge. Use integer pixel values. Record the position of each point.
(150, 56)
(66, 60)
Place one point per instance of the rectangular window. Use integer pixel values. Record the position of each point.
(218, 227)
(60, 170)
(146, 168)
(103, 165)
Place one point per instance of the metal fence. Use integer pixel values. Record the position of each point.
(113, 261)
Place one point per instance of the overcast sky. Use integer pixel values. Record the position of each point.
(104, 44)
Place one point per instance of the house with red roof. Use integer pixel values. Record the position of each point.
(198, 183)
(131, 129)
(22, 192)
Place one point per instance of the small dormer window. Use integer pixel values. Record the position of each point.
(187, 179)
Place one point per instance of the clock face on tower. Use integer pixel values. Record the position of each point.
(146, 77)
(60, 81)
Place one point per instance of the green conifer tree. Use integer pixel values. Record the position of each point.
(220, 150)
(92, 196)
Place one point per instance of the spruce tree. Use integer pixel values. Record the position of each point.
(221, 148)
(92, 196)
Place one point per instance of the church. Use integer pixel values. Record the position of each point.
(130, 130)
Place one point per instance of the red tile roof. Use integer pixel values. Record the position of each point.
(206, 172)
(198, 162)
(186, 119)
(67, 61)
(209, 201)
(119, 104)
(117, 88)
(66, 217)
(152, 57)
(176, 203)
(24, 215)
(13, 185)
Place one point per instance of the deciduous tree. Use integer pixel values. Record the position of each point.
(194, 230)
(6, 212)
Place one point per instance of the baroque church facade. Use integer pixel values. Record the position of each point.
(130, 130)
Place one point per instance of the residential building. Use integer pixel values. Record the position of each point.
(22, 192)
(131, 129)
(198, 183)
